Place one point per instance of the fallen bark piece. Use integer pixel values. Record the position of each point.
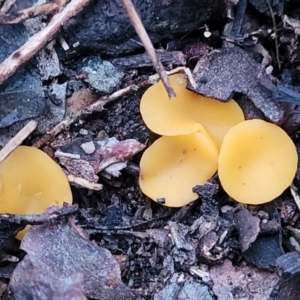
(242, 283)
(61, 251)
(227, 71)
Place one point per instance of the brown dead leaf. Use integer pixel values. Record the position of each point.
(109, 153)
(113, 151)
(59, 252)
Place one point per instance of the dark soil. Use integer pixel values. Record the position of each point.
(158, 247)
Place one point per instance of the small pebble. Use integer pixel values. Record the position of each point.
(269, 70)
(88, 147)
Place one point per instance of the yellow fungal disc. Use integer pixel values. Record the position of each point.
(216, 117)
(182, 114)
(31, 182)
(166, 116)
(257, 162)
(173, 165)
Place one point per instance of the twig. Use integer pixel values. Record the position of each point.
(7, 5)
(84, 183)
(39, 219)
(17, 139)
(35, 43)
(140, 29)
(275, 33)
(28, 13)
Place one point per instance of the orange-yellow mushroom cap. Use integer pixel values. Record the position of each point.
(182, 114)
(173, 165)
(257, 162)
(30, 182)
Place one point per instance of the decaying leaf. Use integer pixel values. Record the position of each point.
(224, 72)
(61, 253)
(110, 155)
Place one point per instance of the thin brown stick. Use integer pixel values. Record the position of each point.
(84, 183)
(9, 66)
(7, 5)
(140, 30)
(41, 218)
(17, 139)
(28, 13)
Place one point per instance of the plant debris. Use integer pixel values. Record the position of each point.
(108, 155)
(62, 250)
(240, 74)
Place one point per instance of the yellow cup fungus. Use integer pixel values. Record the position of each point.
(30, 182)
(172, 165)
(187, 112)
(257, 162)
